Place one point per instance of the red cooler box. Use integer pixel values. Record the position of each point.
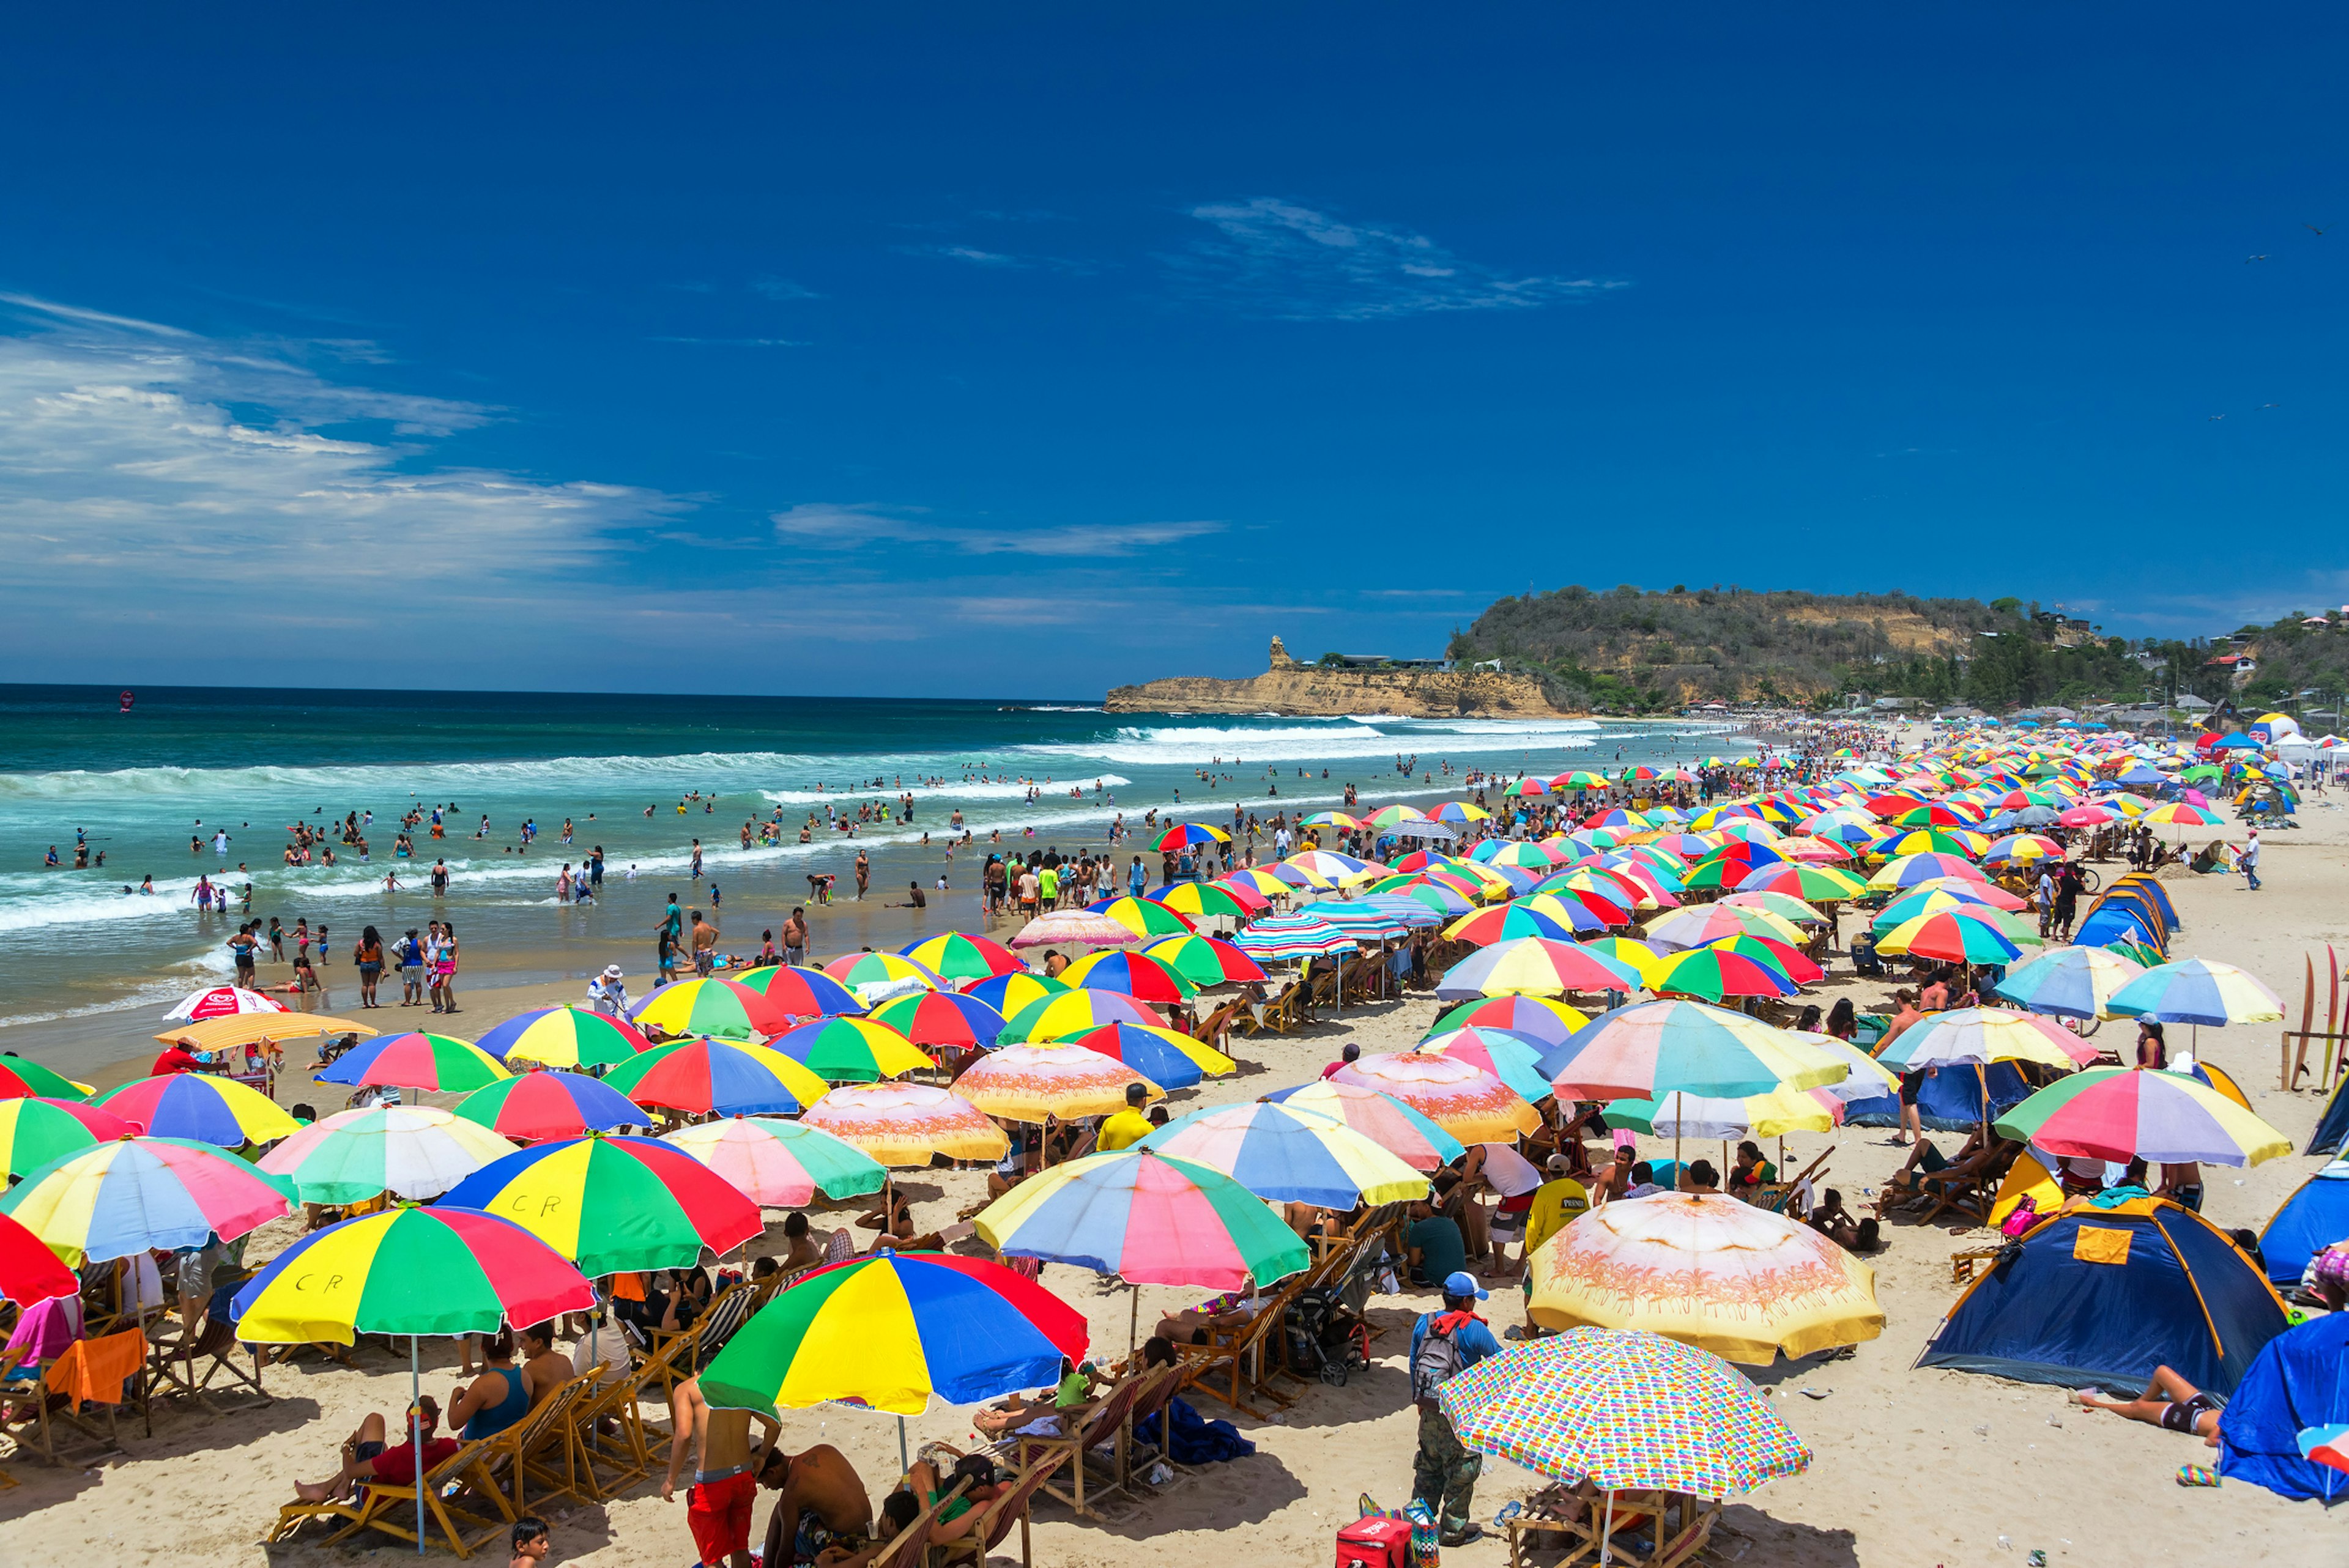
(1374, 1543)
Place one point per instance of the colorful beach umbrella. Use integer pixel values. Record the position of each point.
(1905, 870)
(1714, 974)
(907, 1123)
(142, 1194)
(1206, 962)
(1810, 883)
(1382, 1119)
(1536, 965)
(1536, 1018)
(34, 1132)
(407, 1151)
(1287, 1155)
(221, 1002)
(780, 1164)
(1651, 1048)
(2119, 1114)
(1047, 1083)
(892, 1331)
(851, 1050)
(1506, 921)
(1135, 975)
(1787, 907)
(1743, 1282)
(939, 1020)
(1781, 957)
(1007, 994)
(958, 956)
(408, 1271)
(1200, 900)
(21, 1077)
(1327, 871)
(1952, 934)
(536, 1106)
(614, 1203)
(1701, 923)
(1257, 881)
(1074, 928)
(1167, 1058)
(726, 1008)
(200, 1108)
(29, 1271)
(1626, 1411)
(893, 969)
(1147, 1218)
(1979, 1036)
(2197, 991)
(1515, 1059)
(1466, 1101)
(1074, 1013)
(439, 1062)
(1144, 917)
(1771, 1115)
(1630, 951)
(2069, 983)
(798, 992)
(701, 1077)
(1184, 835)
(564, 1037)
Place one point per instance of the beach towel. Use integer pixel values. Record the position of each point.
(93, 1370)
(1194, 1440)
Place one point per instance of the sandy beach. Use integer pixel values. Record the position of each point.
(1913, 1467)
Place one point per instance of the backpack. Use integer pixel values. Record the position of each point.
(1438, 1357)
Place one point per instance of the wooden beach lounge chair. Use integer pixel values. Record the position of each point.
(189, 1367)
(1240, 1361)
(1646, 1529)
(623, 1452)
(535, 1458)
(1084, 1428)
(726, 1311)
(1136, 1454)
(456, 1490)
(995, 1522)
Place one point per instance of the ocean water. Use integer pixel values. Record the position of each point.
(184, 763)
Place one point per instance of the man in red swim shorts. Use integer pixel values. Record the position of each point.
(725, 1473)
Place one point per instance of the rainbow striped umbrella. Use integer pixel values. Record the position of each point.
(1976, 1035)
(1651, 1049)
(851, 1051)
(1712, 973)
(1772, 1115)
(1388, 816)
(1047, 1083)
(711, 1006)
(1609, 899)
(1199, 899)
(438, 1271)
(200, 1107)
(1792, 962)
(1144, 917)
(1434, 896)
(1074, 1013)
(1148, 1219)
(1382, 1119)
(957, 956)
(802, 993)
(1630, 951)
(1325, 870)
(1466, 1101)
(565, 1037)
(1925, 899)
(34, 1132)
(1165, 1056)
(941, 1018)
(1536, 964)
(1515, 1059)
(21, 1078)
(407, 1151)
(29, 1271)
(536, 1106)
(1701, 923)
(780, 1164)
(1074, 928)
(1183, 834)
(613, 1203)
(1957, 936)
(853, 969)
(1626, 1410)
(142, 1194)
(1007, 994)
(700, 1077)
(1365, 921)
(1459, 811)
(1285, 1155)
(907, 1123)
(891, 1330)
(1793, 911)
(2197, 991)
(1536, 1017)
(1135, 975)
(1906, 871)
(1257, 881)
(1513, 853)
(2119, 1114)
(1204, 961)
(435, 1062)
(1506, 921)
(2069, 982)
(1941, 841)
(1280, 936)
(2184, 814)
(1800, 880)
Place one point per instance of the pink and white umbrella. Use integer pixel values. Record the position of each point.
(221, 1002)
(1074, 927)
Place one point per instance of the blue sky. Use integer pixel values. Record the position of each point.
(1020, 350)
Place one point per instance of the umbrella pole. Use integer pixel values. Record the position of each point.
(1134, 1319)
(416, 1435)
(905, 1465)
(1607, 1532)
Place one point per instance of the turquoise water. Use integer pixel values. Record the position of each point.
(190, 762)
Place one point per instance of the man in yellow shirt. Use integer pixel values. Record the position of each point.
(1557, 1204)
(1128, 1127)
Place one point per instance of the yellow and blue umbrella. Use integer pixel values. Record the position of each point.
(199, 1106)
(1148, 1218)
(1287, 1155)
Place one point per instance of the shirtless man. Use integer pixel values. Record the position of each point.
(806, 1251)
(795, 936)
(544, 1367)
(705, 944)
(725, 1463)
(823, 1505)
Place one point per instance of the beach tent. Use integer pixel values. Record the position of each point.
(2105, 1295)
(2314, 1217)
(2301, 1380)
(2219, 1079)
(2136, 908)
(2028, 1177)
(1951, 1100)
(2332, 1127)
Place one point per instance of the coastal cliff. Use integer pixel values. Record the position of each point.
(1313, 690)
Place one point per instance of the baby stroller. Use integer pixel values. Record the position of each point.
(1321, 1338)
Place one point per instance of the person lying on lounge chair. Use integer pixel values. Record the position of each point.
(2169, 1402)
(1040, 1416)
(1228, 1312)
(1833, 1221)
(366, 1460)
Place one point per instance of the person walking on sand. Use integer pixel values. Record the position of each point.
(2250, 861)
(1444, 1474)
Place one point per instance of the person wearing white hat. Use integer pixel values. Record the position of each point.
(608, 994)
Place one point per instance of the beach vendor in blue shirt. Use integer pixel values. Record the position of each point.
(1443, 1476)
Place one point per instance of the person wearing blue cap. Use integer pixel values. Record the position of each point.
(1443, 1476)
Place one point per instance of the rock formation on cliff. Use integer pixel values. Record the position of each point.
(1315, 690)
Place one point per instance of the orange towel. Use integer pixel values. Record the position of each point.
(93, 1370)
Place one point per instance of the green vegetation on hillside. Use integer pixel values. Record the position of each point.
(1631, 650)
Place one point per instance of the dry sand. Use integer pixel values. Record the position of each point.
(1914, 1467)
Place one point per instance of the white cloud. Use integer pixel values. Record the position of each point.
(140, 462)
(782, 288)
(847, 525)
(1291, 262)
